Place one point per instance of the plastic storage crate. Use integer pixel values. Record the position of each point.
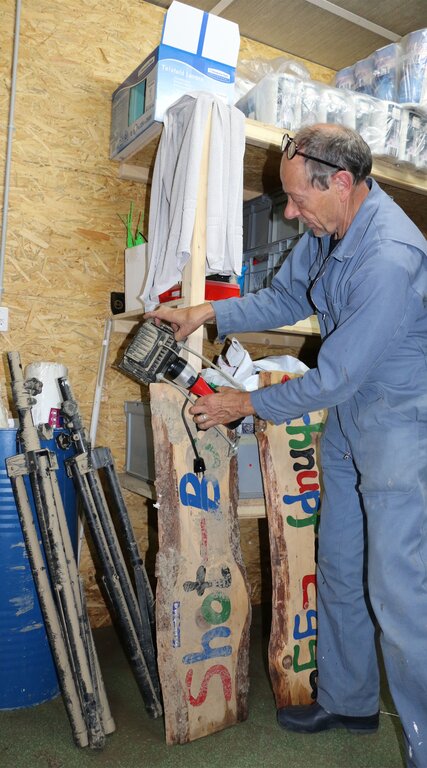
(140, 452)
(261, 264)
(139, 441)
(267, 239)
(264, 222)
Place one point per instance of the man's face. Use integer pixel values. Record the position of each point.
(317, 208)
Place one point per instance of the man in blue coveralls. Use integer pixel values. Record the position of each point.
(362, 268)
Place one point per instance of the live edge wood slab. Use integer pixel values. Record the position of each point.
(290, 471)
(202, 603)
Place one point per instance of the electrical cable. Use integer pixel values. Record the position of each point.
(233, 382)
(233, 445)
(199, 463)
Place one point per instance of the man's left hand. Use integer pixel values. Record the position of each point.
(221, 407)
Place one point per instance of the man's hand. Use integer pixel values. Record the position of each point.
(222, 407)
(183, 321)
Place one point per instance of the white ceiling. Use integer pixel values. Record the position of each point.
(334, 34)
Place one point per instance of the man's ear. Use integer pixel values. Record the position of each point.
(343, 181)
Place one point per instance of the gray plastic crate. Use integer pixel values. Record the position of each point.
(249, 470)
(139, 441)
(262, 263)
(140, 452)
(264, 222)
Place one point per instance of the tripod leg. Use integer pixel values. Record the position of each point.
(140, 622)
(53, 626)
(102, 457)
(115, 594)
(106, 716)
(65, 578)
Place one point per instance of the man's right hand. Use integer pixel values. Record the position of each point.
(183, 321)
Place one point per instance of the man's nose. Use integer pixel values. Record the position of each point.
(291, 211)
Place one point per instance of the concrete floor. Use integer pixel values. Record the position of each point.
(40, 737)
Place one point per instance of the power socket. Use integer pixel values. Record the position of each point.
(4, 319)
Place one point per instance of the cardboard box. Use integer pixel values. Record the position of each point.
(198, 52)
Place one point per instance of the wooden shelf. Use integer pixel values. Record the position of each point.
(246, 509)
(125, 322)
(261, 164)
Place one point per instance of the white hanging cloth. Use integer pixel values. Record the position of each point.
(175, 186)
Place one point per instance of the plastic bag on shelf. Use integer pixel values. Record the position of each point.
(386, 71)
(412, 145)
(323, 104)
(344, 78)
(378, 122)
(421, 157)
(386, 133)
(276, 98)
(413, 69)
(337, 107)
(249, 72)
(363, 75)
(311, 103)
(365, 108)
(278, 101)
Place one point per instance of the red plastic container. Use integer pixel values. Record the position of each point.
(214, 289)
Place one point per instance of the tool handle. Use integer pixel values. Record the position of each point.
(201, 387)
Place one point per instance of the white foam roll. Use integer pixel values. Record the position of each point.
(50, 396)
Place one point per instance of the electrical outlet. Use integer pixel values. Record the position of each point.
(4, 319)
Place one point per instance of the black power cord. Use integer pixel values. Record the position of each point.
(199, 466)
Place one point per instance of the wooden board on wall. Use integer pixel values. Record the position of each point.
(202, 602)
(288, 459)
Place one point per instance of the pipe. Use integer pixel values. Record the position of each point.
(100, 380)
(10, 129)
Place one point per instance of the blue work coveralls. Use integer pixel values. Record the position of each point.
(370, 297)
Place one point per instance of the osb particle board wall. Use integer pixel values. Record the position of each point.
(65, 241)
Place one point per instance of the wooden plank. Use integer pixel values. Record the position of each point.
(203, 607)
(194, 273)
(288, 459)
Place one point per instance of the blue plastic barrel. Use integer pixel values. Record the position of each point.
(27, 670)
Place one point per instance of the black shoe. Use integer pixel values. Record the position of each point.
(312, 718)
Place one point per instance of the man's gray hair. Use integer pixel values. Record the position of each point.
(337, 144)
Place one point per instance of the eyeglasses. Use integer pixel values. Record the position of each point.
(291, 148)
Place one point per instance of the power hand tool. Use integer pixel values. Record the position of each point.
(154, 354)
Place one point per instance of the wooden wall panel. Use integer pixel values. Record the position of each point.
(65, 241)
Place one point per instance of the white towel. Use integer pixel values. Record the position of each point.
(175, 187)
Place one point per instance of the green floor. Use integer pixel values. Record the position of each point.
(41, 738)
